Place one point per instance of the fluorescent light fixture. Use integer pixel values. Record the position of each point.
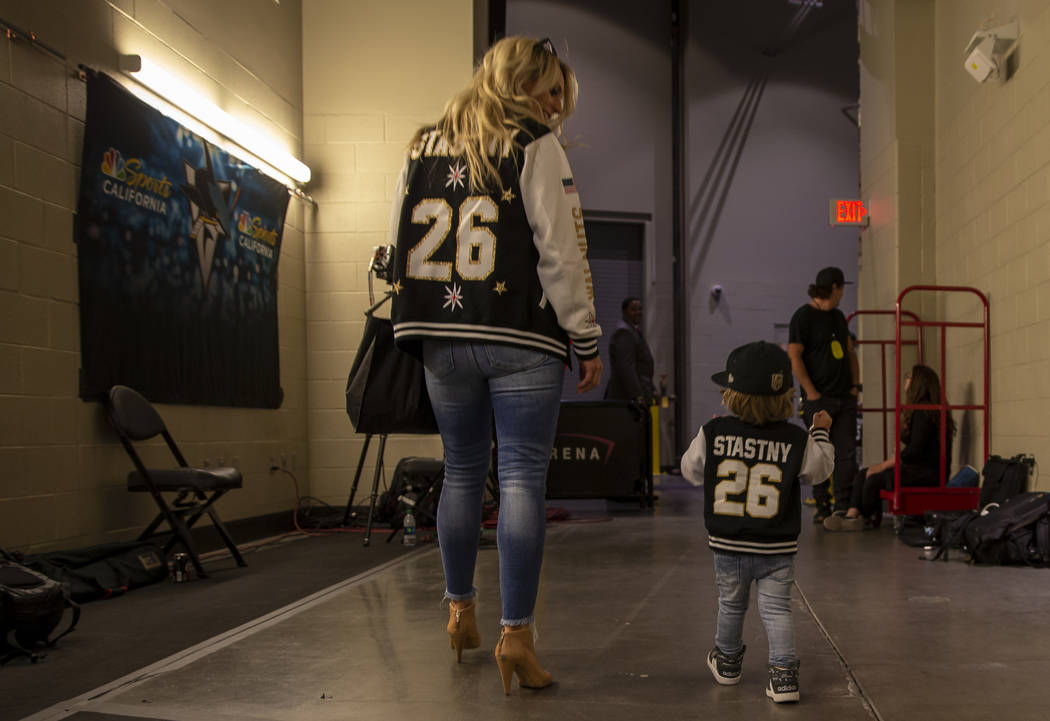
(189, 101)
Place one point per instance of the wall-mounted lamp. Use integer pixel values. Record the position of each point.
(988, 51)
(193, 104)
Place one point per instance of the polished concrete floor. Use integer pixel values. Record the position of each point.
(626, 615)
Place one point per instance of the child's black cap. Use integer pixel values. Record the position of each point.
(758, 369)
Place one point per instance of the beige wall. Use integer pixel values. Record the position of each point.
(62, 483)
(972, 210)
(897, 145)
(373, 72)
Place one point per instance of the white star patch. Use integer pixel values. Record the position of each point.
(453, 297)
(457, 175)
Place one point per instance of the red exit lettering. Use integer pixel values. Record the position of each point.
(850, 211)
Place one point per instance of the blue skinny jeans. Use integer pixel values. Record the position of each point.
(773, 576)
(469, 384)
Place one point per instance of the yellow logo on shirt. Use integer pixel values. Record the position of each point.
(836, 350)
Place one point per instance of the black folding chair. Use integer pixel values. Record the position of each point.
(196, 489)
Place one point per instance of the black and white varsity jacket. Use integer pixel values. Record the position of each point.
(504, 266)
(751, 476)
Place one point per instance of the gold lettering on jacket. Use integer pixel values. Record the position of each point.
(751, 449)
(433, 145)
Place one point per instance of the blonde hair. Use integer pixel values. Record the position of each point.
(481, 120)
(759, 410)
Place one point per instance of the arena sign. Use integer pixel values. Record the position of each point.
(600, 451)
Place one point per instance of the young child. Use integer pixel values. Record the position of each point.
(750, 464)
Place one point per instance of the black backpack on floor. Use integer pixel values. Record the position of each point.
(1004, 477)
(31, 608)
(421, 480)
(104, 571)
(1015, 532)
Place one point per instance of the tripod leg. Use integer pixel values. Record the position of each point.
(357, 477)
(375, 488)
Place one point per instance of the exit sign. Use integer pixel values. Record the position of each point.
(847, 212)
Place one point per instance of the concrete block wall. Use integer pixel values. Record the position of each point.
(897, 183)
(993, 214)
(63, 474)
(363, 98)
(970, 207)
(879, 241)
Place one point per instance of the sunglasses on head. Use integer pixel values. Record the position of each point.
(546, 46)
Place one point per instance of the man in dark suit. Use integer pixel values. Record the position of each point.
(630, 359)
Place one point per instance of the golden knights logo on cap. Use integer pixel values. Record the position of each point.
(777, 381)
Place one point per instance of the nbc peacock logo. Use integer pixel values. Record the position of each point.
(244, 222)
(113, 165)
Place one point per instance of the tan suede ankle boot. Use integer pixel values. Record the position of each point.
(462, 627)
(515, 653)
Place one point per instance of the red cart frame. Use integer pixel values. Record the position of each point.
(915, 500)
(883, 343)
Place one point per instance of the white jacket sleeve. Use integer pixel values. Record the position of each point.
(695, 459)
(553, 209)
(399, 200)
(818, 461)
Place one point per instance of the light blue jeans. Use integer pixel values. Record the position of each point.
(469, 383)
(773, 576)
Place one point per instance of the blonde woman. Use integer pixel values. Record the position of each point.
(493, 291)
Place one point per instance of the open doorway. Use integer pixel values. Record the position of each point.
(615, 250)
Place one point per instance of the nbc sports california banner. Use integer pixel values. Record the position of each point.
(177, 251)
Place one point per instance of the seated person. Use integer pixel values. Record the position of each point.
(920, 457)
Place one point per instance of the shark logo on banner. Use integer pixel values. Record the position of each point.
(178, 249)
(211, 209)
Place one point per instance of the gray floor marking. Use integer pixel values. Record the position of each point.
(869, 705)
(161, 712)
(86, 701)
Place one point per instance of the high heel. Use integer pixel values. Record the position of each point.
(462, 627)
(515, 653)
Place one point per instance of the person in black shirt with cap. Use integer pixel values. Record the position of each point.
(824, 361)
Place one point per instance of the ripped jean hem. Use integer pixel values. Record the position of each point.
(516, 621)
(460, 596)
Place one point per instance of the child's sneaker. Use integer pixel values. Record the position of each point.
(725, 668)
(783, 684)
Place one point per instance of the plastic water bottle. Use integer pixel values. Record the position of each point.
(409, 526)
